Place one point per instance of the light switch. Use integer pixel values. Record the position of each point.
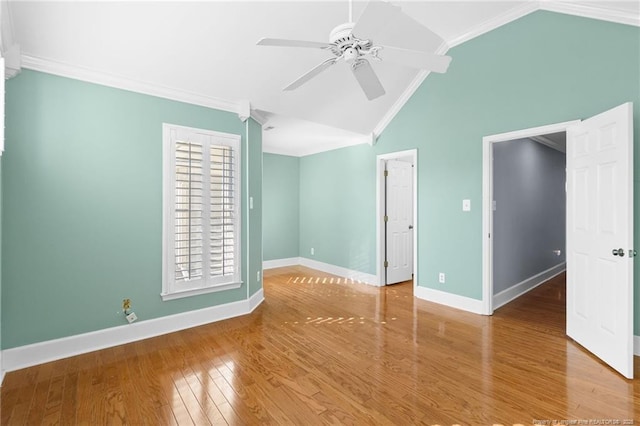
(466, 205)
(250, 203)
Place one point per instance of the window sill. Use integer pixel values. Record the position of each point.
(199, 291)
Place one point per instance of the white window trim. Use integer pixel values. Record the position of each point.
(170, 133)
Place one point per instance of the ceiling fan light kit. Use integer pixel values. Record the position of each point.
(353, 43)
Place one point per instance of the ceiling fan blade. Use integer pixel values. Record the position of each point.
(407, 33)
(415, 59)
(293, 43)
(377, 14)
(309, 75)
(368, 79)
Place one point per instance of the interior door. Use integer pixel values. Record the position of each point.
(600, 236)
(399, 224)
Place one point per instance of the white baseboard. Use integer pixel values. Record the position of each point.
(361, 277)
(280, 263)
(51, 350)
(448, 299)
(517, 290)
(256, 299)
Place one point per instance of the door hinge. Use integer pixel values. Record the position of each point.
(386, 218)
(386, 264)
(386, 173)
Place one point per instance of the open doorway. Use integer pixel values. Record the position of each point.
(396, 217)
(529, 214)
(599, 231)
(540, 133)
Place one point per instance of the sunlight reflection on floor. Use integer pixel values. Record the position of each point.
(323, 280)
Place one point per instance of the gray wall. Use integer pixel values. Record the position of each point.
(529, 220)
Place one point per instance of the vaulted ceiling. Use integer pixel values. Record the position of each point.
(206, 53)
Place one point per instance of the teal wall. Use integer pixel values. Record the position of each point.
(543, 68)
(82, 198)
(254, 174)
(337, 208)
(280, 216)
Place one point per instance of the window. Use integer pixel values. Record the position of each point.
(201, 216)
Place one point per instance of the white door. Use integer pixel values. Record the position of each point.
(600, 236)
(399, 214)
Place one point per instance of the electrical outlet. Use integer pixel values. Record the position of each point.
(313, 251)
(441, 278)
(132, 317)
(126, 304)
(258, 276)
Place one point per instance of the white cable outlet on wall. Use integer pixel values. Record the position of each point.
(132, 317)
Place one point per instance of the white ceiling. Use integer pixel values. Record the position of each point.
(557, 141)
(207, 50)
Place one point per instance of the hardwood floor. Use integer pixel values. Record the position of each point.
(320, 350)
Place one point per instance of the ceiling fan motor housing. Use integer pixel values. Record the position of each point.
(341, 33)
(343, 40)
(350, 54)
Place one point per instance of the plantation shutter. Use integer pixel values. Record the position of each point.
(188, 211)
(202, 216)
(222, 213)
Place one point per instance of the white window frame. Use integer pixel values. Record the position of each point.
(170, 288)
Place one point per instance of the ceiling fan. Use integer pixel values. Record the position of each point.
(353, 43)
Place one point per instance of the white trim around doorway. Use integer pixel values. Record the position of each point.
(380, 159)
(487, 197)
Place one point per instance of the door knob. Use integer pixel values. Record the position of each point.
(618, 252)
(633, 253)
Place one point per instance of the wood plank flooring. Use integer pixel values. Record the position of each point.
(323, 350)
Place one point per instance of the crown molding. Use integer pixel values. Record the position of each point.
(399, 103)
(9, 50)
(587, 10)
(303, 151)
(496, 22)
(583, 10)
(404, 97)
(259, 117)
(244, 110)
(92, 76)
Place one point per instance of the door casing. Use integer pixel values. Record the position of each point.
(487, 199)
(380, 237)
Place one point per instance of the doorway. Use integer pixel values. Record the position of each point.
(529, 214)
(599, 231)
(488, 197)
(396, 217)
